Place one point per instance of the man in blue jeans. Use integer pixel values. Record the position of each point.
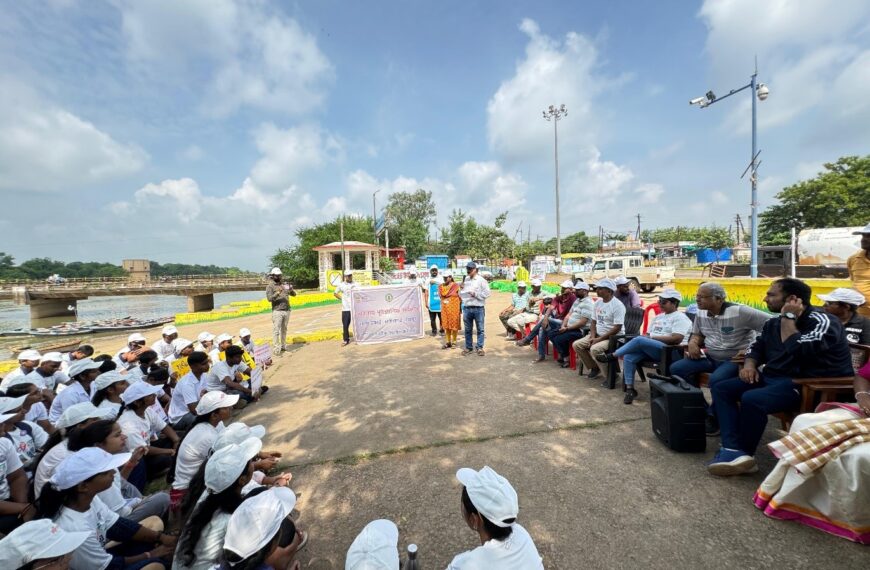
(802, 342)
(669, 328)
(723, 329)
(474, 292)
(553, 317)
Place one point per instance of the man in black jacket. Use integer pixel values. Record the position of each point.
(804, 342)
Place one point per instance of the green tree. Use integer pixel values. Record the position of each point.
(679, 233)
(176, 269)
(299, 262)
(838, 196)
(409, 216)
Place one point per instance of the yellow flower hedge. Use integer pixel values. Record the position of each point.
(752, 291)
(244, 308)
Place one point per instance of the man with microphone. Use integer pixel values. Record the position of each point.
(277, 293)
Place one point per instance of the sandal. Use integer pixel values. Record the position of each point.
(304, 543)
(466, 351)
(480, 352)
(445, 345)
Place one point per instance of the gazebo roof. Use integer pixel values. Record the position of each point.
(348, 246)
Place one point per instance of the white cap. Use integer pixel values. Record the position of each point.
(567, 284)
(348, 272)
(214, 400)
(29, 354)
(582, 285)
(181, 343)
(412, 271)
(106, 379)
(671, 293)
(536, 282)
(375, 548)
(168, 330)
(135, 337)
(83, 365)
(21, 379)
(521, 284)
(491, 494)
(38, 540)
(77, 413)
(275, 271)
(862, 231)
(433, 266)
(236, 433)
(621, 280)
(9, 405)
(84, 464)
(205, 336)
(227, 464)
(4, 417)
(256, 521)
(844, 295)
(52, 357)
(139, 390)
(222, 337)
(606, 284)
(244, 332)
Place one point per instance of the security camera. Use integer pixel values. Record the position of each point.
(762, 91)
(697, 101)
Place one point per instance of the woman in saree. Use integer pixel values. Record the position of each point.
(821, 478)
(450, 313)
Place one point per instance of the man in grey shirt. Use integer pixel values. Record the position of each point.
(277, 293)
(723, 329)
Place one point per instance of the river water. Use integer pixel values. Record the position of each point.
(97, 308)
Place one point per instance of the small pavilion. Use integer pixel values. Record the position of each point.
(328, 254)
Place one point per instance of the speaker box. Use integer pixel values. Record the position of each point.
(678, 413)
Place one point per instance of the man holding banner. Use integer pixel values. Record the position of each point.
(343, 292)
(474, 292)
(433, 301)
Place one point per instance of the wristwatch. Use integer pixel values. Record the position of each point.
(790, 316)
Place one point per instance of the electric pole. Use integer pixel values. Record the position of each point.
(554, 114)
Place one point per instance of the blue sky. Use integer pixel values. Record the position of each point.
(206, 131)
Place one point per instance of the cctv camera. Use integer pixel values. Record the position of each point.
(696, 101)
(762, 91)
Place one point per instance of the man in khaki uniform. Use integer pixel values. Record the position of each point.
(277, 293)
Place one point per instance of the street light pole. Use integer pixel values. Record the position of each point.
(554, 114)
(761, 91)
(375, 216)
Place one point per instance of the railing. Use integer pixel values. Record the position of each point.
(126, 283)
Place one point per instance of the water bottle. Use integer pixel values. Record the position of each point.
(411, 563)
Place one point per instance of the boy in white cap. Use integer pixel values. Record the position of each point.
(519, 303)
(82, 373)
(28, 360)
(669, 328)
(127, 356)
(490, 508)
(258, 528)
(343, 291)
(140, 423)
(164, 347)
(375, 548)
(41, 544)
(222, 342)
(48, 375)
(607, 321)
(277, 293)
(859, 268)
(246, 341)
(844, 304)
(206, 341)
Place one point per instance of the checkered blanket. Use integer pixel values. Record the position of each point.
(811, 449)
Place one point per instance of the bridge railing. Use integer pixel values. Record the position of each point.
(127, 283)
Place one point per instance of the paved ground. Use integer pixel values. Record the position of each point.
(379, 431)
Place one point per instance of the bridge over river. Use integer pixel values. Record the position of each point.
(59, 299)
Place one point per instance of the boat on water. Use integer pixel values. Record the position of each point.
(63, 331)
(57, 346)
(85, 327)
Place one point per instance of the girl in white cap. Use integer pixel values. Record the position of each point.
(227, 472)
(375, 548)
(34, 406)
(27, 437)
(40, 544)
(490, 508)
(122, 497)
(82, 373)
(108, 388)
(139, 423)
(70, 499)
(261, 533)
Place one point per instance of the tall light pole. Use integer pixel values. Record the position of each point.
(761, 91)
(554, 114)
(375, 216)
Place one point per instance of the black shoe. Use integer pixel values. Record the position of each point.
(630, 395)
(605, 357)
(594, 373)
(263, 390)
(711, 426)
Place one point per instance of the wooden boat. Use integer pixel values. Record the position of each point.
(56, 346)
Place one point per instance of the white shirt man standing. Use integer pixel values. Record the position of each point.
(474, 293)
(343, 291)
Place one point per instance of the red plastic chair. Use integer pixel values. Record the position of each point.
(655, 309)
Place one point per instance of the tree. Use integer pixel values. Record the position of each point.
(299, 262)
(838, 196)
(409, 216)
(577, 243)
(717, 239)
(679, 233)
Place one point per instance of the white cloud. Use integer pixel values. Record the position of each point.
(45, 148)
(192, 153)
(648, 194)
(287, 152)
(246, 53)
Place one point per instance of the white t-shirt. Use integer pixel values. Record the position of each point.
(27, 447)
(517, 552)
(47, 382)
(111, 409)
(345, 289)
(214, 377)
(113, 498)
(17, 373)
(209, 547)
(608, 315)
(157, 409)
(37, 413)
(140, 430)
(215, 356)
(74, 394)
(9, 463)
(185, 392)
(671, 323)
(47, 466)
(91, 555)
(193, 451)
(163, 349)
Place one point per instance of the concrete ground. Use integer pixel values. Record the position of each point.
(379, 431)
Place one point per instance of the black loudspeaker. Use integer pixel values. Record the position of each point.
(678, 413)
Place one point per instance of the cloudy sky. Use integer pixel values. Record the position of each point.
(206, 131)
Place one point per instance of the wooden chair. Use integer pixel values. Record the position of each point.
(828, 388)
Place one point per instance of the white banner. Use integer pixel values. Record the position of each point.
(387, 314)
(538, 270)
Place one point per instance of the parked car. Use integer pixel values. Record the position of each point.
(630, 266)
